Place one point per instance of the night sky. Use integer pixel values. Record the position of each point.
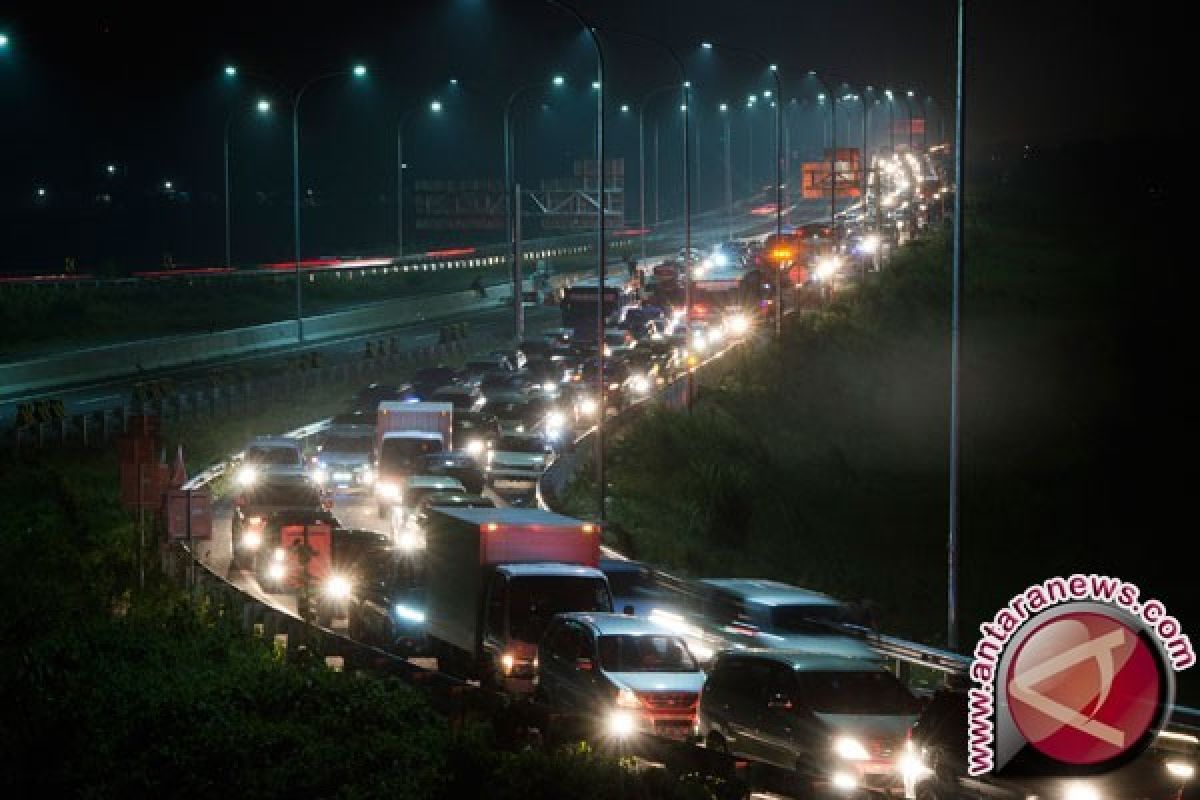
(142, 87)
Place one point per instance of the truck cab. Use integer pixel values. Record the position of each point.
(404, 434)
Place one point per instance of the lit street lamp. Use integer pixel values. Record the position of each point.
(261, 107)
(435, 107)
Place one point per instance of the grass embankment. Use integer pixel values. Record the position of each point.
(823, 461)
(112, 691)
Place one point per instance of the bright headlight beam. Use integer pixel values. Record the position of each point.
(850, 749)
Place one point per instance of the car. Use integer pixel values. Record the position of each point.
(745, 612)
(616, 391)
(411, 536)
(403, 514)
(474, 431)
(635, 589)
(463, 397)
(936, 763)
(254, 504)
(626, 673)
(369, 397)
(837, 724)
(618, 342)
(544, 376)
(462, 466)
(499, 382)
(387, 604)
(528, 452)
(343, 458)
(267, 455)
(348, 420)
(474, 369)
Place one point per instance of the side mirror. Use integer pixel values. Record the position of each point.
(583, 664)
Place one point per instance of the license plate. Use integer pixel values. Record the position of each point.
(343, 476)
(506, 484)
(673, 730)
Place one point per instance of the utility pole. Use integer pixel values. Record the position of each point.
(955, 351)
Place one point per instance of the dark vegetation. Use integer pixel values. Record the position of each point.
(823, 462)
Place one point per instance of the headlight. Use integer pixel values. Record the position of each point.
(251, 540)
(409, 540)
(255, 521)
(387, 490)
(720, 260)
(627, 699)
(475, 447)
(247, 476)
(1081, 791)
(549, 386)
(850, 749)
(621, 723)
(1181, 770)
(844, 781)
(409, 614)
(508, 661)
(827, 267)
(368, 475)
(639, 384)
(338, 587)
(868, 245)
(912, 767)
(279, 555)
(738, 324)
(715, 335)
(588, 406)
(490, 455)
(320, 475)
(556, 419)
(612, 387)
(276, 571)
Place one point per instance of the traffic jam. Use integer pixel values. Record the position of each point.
(412, 522)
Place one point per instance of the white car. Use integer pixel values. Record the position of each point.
(266, 455)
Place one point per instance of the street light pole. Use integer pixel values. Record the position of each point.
(642, 159)
(600, 250)
(955, 351)
(728, 175)
(357, 71)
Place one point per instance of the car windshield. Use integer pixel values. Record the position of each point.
(855, 693)
(404, 453)
(809, 618)
(288, 456)
(458, 399)
(521, 444)
(534, 599)
(645, 653)
(413, 495)
(285, 495)
(347, 444)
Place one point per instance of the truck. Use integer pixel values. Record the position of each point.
(501, 575)
(404, 432)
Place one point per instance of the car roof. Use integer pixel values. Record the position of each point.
(460, 458)
(513, 516)
(272, 441)
(433, 482)
(533, 570)
(617, 624)
(621, 565)
(803, 661)
(457, 498)
(769, 593)
(427, 436)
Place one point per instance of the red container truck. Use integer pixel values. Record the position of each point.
(496, 577)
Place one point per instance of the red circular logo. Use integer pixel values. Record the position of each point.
(1083, 688)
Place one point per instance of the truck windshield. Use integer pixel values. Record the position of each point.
(287, 456)
(645, 653)
(347, 444)
(521, 444)
(855, 693)
(406, 453)
(287, 495)
(534, 599)
(808, 618)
